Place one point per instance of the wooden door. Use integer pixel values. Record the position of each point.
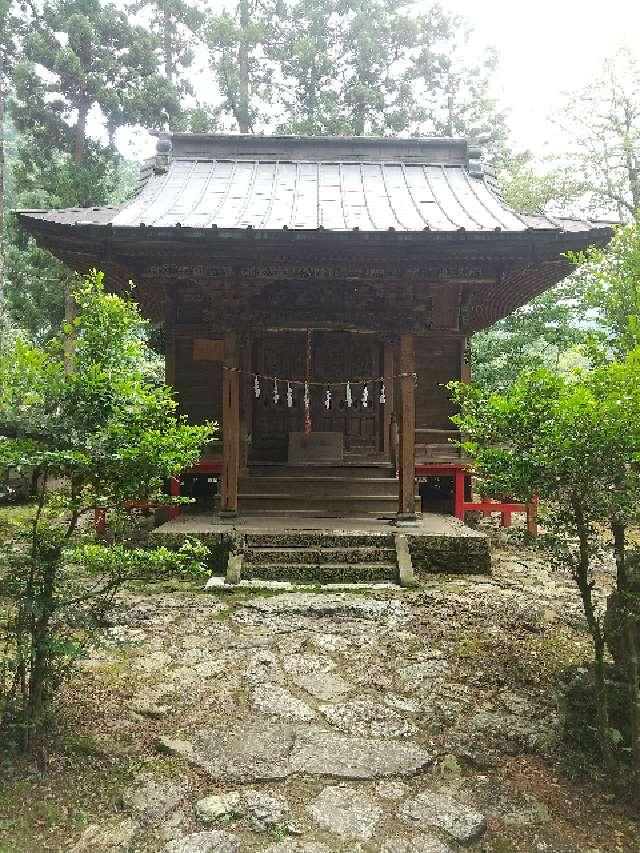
(280, 355)
(338, 356)
(335, 356)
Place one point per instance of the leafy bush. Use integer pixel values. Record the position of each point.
(82, 418)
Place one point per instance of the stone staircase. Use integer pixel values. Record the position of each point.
(350, 490)
(309, 557)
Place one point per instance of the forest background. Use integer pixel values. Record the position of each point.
(82, 81)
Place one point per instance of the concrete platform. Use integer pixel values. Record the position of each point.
(431, 524)
(438, 543)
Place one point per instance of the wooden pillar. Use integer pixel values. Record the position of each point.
(407, 466)
(70, 311)
(465, 363)
(170, 337)
(387, 372)
(230, 427)
(246, 401)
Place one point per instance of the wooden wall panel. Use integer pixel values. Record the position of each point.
(437, 362)
(198, 384)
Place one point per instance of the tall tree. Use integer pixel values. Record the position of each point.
(538, 335)
(11, 26)
(85, 71)
(374, 67)
(4, 27)
(306, 51)
(529, 187)
(236, 41)
(175, 23)
(374, 36)
(454, 80)
(602, 122)
(81, 56)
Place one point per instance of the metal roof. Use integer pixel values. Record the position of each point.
(312, 184)
(337, 196)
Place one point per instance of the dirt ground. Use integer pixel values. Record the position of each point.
(383, 721)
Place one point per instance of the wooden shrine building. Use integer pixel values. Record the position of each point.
(315, 295)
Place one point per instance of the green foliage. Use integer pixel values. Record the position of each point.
(77, 64)
(453, 86)
(44, 178)
(575, 443)
(555, 436)
(611, 281)
(338, 67)
(540, 334)
(80, 55)
(175, 25)
(91, 437)
(602, 123)
(528, 188)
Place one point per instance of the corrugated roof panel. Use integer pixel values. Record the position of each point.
(177, 182)
(337, 195)
(260, 203)
(449, 204)
(355, 204)
(506, 217)
(283, 194)
(192, 192)
(424, 199)
(238, 195)
(479, 202)
(331, 211)
(400, 197)
(305, 214)
(379, 205)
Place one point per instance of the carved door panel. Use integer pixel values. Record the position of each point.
(281, 355)
(335, 357)
(338, 356)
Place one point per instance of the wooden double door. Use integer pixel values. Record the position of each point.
(335, 358)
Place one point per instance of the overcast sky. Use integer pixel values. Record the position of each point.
(545, 47)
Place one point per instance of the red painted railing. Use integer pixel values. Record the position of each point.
(487, 506)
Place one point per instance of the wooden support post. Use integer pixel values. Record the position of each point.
(174, 491)
(387, 372)
(170, 337)
(458, 493)
(246, 406)
(532, 516)
(407, 502)
(70, 311)
(230, 427)
(99, 521)
(465, 364)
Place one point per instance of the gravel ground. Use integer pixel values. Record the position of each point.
(383, 721)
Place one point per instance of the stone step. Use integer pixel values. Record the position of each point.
(319, 504)
(320, 556)
(326, 573)
(348, 470)
(332, 486)
(318, 539)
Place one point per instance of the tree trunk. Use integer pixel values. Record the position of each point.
(70, 309)
(81, 132)
(450, 116)
(581, 577)
(633, 170)
(167, 36)
(629, 644)
(243, 69)
(3, 93)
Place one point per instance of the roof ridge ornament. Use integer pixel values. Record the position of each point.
(476, 147)
(164, 147)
